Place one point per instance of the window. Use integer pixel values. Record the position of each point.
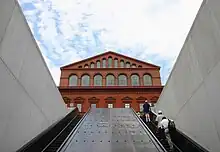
(147, 80)
(127, 105)
(128, 65)
(85, 80)
(140, 66)
(109, 62)
(86, 66)
(122, 64)
(98, 64)
(79, 106)
(73, 80)
(71, 104)
(116, 63)
(110, 105)
(133, 66)
(110, 80)
(104, 63)
(93, 105)
(92, 65)
(80, 67)
(135, 80)
(98, 80)
(122, 80)
(141, 107)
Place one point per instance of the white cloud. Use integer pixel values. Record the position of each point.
(146, 28)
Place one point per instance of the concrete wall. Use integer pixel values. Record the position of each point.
(191, 96)
(29, 99)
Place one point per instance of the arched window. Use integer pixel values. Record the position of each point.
(135, 80)
(109, 62)
(98, 64)
(140, 66)
(116, 63)
(122, 64)
(147, 80)
(85, 80)
(133, 66)
(98, 80)
(128, 65)
(110, 80)
(92, 65)
(122, 80)
(104, 63)
(73, 79)
(80, 67)
(86, 66)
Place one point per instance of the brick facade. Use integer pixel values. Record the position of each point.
(131, 94)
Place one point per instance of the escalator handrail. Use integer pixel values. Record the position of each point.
(179, 150)
(59, 134)
(67, 141)
(149, 132)
(188, 138)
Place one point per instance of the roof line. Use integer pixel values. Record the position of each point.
(107, 53)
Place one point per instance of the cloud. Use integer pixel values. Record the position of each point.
(70, 30)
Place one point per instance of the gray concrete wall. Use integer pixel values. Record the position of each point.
(191, 95)
(29, 98)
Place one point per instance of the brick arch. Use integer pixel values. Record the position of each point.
(97, 73)
(127, 99)
(141, 99)
(110, 100)
(147, 73)
(73, 74)
(126, 74)
(151, 78)
(93, 100)
(86, 65)
(77, 79)
(92, 62)
(110, 74)
(85, 74)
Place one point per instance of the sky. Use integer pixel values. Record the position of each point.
(71, 30)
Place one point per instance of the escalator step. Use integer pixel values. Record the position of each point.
(58, 142)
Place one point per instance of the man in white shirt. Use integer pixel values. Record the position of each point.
(164, 123)
(159, 117)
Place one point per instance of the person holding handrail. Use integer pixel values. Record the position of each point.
(165, 125)
(159, 117)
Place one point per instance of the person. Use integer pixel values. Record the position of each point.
(164, 124)
(159, 117)
(146, 108)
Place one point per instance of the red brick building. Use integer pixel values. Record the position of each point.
(110, 80)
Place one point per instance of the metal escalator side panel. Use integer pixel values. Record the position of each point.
(154, 139)
(67, 141)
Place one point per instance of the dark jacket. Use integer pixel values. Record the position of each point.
(146, 107)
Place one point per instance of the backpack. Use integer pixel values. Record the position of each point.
(171, 126)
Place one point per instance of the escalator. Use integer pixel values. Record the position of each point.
(111, 130)
(52, 138)
(100, 129)
(181, 142)
(54, 145)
